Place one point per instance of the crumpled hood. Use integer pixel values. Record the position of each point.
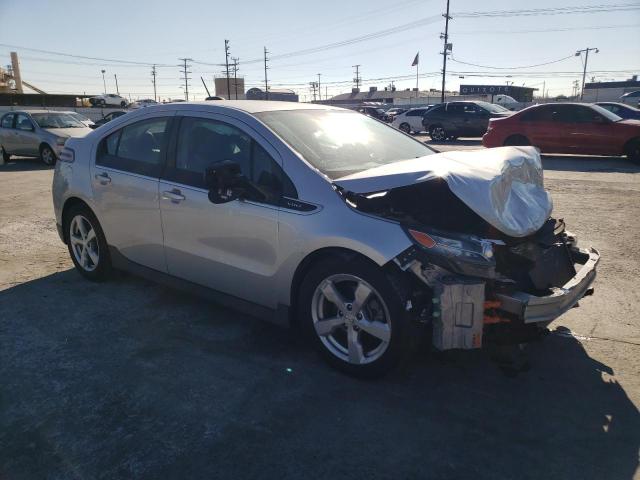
(502, 185)
(70, 132)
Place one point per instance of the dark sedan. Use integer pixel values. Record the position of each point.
(107, 118)
(621, 109)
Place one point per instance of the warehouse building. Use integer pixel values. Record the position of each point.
(610, 91)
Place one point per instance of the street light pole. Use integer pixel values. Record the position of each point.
(104, 83)
(586, 60)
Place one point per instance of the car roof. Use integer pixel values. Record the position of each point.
(248, 106)
(36, 111)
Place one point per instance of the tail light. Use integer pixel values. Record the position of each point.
(67, 155)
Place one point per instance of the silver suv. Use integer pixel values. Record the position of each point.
(325, 218)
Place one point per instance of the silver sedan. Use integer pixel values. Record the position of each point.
(37, 133)
(325, 218)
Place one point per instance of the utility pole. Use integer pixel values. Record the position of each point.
(117, 89)
(266, 82)
(235, 75)
(226, 60)
(586, 60)
(104, 83)
(185, 75)
(153, 80)
(313, 86)
(447, 48)
(357, 77)
(319, 91)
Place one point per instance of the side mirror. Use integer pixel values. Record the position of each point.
(223, 181)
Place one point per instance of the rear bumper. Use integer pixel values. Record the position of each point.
(534, 309)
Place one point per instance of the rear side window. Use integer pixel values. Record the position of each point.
(436, 109)
(540, 114)
(7, 121)
(416, 113)
(137, 148)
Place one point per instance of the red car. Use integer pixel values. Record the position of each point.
(567, 128)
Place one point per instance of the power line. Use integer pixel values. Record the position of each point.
(543, 30)
(512, 68)
(602, 8)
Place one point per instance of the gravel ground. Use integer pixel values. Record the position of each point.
(128, 379)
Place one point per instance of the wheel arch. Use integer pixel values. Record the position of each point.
(628, 143)
(317, 256)
(69, 203)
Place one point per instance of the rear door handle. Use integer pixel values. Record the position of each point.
(174, 195)
(103, 178)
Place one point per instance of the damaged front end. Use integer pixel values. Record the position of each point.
(498, 269)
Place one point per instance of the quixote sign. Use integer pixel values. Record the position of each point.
(484, 89)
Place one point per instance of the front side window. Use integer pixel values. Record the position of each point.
(23, 122)
(203, 142)
(7, 121)
(136, 148)
(416, 113)
(339, 142)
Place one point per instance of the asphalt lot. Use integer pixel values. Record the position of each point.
(128, 379)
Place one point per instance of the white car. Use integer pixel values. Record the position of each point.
(109, 99)
(145, 102)
(86, 121)
(411, 120)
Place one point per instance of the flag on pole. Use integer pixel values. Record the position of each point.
(415, 60)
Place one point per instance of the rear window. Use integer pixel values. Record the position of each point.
(7, 121)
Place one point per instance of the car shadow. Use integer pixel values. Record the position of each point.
(24, 164)
(129, 379)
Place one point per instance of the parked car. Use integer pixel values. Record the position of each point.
(411, 120)
(37, 133)
(631, 98)
(326, 218)
(451, 120)
(86, 121)
(390, 114)
(621, 109)
(108, 100)
(375, 112)
(108, 117)
(567, 128)
(145, 102)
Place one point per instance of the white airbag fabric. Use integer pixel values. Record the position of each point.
(502, 185)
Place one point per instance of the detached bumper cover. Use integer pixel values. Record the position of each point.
(533, 309)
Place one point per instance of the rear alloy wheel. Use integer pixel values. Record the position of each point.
(633, 151)
(405, 127)
(87, 244)
(354, 317)
(517, 141)
(438, 133)
(47, 155)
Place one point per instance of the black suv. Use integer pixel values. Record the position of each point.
(451, 120)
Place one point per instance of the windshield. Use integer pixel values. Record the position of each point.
(78, 116)
(492, 107)
(340, 143)
(56, 120)
(606, 113)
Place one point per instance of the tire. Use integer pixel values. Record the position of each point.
(47, 155)
(517, 141)
(339, 333)
(95, 264)
(438, 133)
(632, 150)
(405, 127)
(5, 156)
(123, 104)
(102, 103)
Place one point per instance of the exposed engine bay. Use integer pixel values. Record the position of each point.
(497, 266)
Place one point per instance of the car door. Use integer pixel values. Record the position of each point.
(7, 134)
(453, 121)
(414, 118)
(230, 247)
(545, 128)
(27, 141)
(125, 179)
(591, 133)
(474, 120)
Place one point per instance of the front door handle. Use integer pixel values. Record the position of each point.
(174, 195)
(103, 178)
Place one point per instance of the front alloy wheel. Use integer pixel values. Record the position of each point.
(351, 319)
(47, 156)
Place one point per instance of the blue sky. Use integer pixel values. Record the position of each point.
(162, 31)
